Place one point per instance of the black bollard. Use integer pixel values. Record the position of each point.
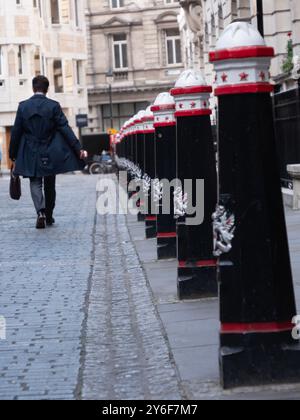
(123, 142)
(120, 149)
(256, 286)
(165, 159)
(139, 131)
(149, 169)
(132, 148)
(197, 271)
(140, 152)
(133, 139)
(127, 142)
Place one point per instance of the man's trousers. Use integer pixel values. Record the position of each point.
(43, 194)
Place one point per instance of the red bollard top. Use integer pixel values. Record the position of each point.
(242, 61)
(125, 129)
(131, 127)
(148, 121)
(191, 95)
(164, 110)
(121, 134)
(139, 124)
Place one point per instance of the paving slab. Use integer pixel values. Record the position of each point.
(192, 327)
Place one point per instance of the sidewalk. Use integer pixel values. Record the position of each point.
(192, 326)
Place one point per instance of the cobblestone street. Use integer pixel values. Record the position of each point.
(80, 318)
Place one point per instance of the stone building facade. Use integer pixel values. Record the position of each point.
(202, 21)
(41, 37)
(138, 44)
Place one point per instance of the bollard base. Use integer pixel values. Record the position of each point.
(166, 247)
(260, 365)
(151, 227)
(197, 282)
(141, 217)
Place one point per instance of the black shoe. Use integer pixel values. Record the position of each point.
(50, 221)
(41, 221)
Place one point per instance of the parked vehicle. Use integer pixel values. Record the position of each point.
(103, 164)
(100, 160)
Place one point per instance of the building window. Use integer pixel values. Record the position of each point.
(120, 51)
(171, 1)
(116, 4)
(58, 76)
(60, 12)
(76, 12)
(40, 7)
(55, 17)
(65, 11)
(21, 60)
(44, 65)
(173, 47)
(79, 73)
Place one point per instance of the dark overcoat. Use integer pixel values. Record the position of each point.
(42, 142)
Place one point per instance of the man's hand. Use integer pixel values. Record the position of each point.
(13, 166)
(83, 154)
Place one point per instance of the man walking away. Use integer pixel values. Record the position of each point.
(42, 146)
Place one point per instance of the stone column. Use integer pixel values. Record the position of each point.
(196, 160)
(257, 302)
(165, 158)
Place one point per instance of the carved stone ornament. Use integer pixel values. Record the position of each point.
(194, 14)
(180, 203)
(134, 170)
(157, 186)
(224, 228)
(146, 183)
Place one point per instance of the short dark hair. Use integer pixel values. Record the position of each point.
(40, 84)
